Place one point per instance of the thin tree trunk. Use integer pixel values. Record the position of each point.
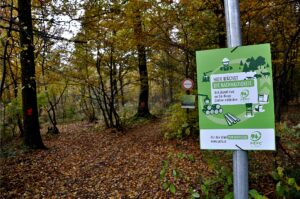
(219, 12)
(101, 101)
(15, 83)
(280, 84)
(5, 44)
(121, 88)
(53, 129)
(111, 80)
(92, 117)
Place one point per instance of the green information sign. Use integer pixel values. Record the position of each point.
(235, 96)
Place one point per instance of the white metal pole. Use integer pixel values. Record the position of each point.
(233, 27)
(240, 157)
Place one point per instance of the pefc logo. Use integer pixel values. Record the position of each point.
(244, 94)
(255, 136)
(255, 139)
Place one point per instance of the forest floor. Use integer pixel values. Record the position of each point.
(85, 161)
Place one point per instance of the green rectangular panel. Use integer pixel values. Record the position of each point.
(235, 96)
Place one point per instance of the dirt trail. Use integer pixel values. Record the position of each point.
(84, 163)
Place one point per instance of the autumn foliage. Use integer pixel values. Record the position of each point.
(77, 74)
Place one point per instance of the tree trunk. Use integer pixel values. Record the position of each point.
(171, 91)
(106, 100)
(143, 108)
(52, 117)
(15, 83)
(32, 136)
(121, 88)
(281, 81)
(5, 58)
(219, 12)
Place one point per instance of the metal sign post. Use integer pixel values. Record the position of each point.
(240, 157)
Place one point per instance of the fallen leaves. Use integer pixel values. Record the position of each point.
(82, 162)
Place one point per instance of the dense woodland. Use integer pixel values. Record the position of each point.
(116, 64)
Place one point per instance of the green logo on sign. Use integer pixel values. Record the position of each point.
(245, 93)
(255, 136)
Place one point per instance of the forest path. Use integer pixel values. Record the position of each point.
(83, 162)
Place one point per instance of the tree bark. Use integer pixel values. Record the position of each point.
(143, 108)
(15, 83)
(32, 136)
(121, 81)
(281, 81)
(220, 13)
(5, 44)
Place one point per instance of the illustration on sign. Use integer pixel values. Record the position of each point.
(236, 108)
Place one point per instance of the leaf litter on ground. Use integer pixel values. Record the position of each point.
(85, 162)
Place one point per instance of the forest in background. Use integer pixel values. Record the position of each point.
(129, 57)
(112, 62)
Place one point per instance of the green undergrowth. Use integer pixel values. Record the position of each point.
(172, 174)
(136, 121)
(272, 174)
(180, 123)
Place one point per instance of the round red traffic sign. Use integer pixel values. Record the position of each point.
(187, 84)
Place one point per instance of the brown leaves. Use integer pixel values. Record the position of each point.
(82, 162)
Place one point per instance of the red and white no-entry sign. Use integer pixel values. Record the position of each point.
(187, 84)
